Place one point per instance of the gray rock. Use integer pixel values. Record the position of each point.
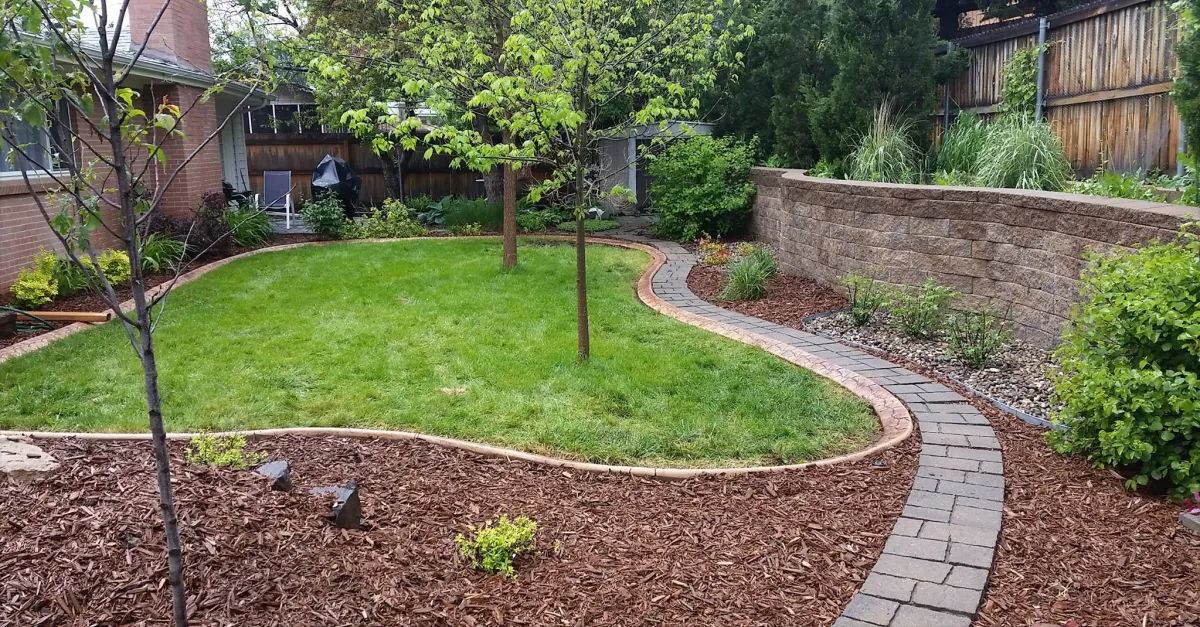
(279, 473)
(1191, 522)
(22, 461)
(347, 511)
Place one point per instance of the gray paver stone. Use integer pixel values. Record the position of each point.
(983, 492)
(947, 598)
(969, 555)
(975, 454)
(912, 568)
(975, 517)
(889, 587)
(910, 616)
(967, 577)
(871, 609)
(916, 547)
(907, 527)
(1191, 522)
(926, 513)
(920, 498)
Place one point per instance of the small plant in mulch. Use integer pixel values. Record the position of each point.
(867, 296)
(713, 253)
(222, 451)
(974, 338)
(919, 312)
(464, 230)
(494, 546)
(748, 275)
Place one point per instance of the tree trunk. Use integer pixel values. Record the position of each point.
(510, 210)
(581, 303)
(493, 179)
(393, 174)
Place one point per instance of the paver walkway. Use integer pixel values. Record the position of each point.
(935, 565)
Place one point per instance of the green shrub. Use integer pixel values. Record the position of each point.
(825, 170)
(161, 252)
(1019, 93)
(466, 230)
(539, 220)
(70, 277)
(115, 264)
(493, 547)
(974, 338)
(702, 185)
(590, 226)
(324, 215)
(249, 225)
(452, 211)
(1130, 381)
(867, 296)
(887, 152)
(37, 285)
(1118, 185)
(227, 451)
(391, 222)
(1024, 154)
(919, 312)
(748, 278)
(419, 204)
(961, 145)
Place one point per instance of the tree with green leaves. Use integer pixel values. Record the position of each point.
(105, 184)
(563, 63)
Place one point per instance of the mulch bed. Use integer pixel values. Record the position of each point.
(88, 301)
(1076, 548)
(788, 301)
(85, 547)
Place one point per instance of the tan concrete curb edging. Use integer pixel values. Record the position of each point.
(895, 420)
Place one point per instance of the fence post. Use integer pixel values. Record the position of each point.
(946, 105)
(1043, 26)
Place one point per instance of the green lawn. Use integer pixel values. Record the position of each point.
(389, 335)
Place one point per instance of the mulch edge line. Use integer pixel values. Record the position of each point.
(895, 420)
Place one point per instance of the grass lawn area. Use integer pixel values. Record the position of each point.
(433, 336)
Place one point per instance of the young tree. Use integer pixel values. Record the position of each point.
(48, 76)
(563, 64)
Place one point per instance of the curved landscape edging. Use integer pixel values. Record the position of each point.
(895, 421)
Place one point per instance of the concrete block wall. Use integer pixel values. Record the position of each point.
(1021, 252)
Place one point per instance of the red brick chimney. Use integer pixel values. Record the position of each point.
(181, 35)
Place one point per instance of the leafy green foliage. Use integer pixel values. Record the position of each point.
(749, 274)
(419, 204)
(1186, 93)
(961, 146)
(248, 225)
(492, 547)
(1130, 382)
(453, 211)
(222, 451)
(702, 185)
(161, 252)
(324, 215)
(38, 284)
(1118, 185)
(1025, 154)
(867, 296)
(590, 226)
(1018, 95)
(886, 152)
(919, 312)
(115, 265)
(539, 220)
(470, 229)
(70, 277)
(974, 338)
(208, 232)
(393, 220)
(826, 170)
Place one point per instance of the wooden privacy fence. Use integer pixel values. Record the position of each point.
(301, 153)
(1107, 77)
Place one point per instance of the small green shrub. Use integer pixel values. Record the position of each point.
(538, 220)
(249, 225)
(919, 312)
(974, 338)
(161, 252)
(1130, 381)
(324, 215)
(961, 145)
(1023, 153)
(393, 221)
(887, 152)
(72, 278)
(37, 285)
(466, 230)
(419, 204)
(1118, 185)
(1019, 92)
(775, 161)
(222, 451)
(452, 211)
(702, 185)
(748, 276)
(867, 296)
(493, 547)
(115, 264)
(590, 226)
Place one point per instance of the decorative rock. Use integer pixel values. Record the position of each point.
(8, 324)
(347, 511)
(1191, 522)
(22, 461)
(279, 473)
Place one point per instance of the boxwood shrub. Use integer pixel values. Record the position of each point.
(1130, 382)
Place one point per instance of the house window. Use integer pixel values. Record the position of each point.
(40, 149)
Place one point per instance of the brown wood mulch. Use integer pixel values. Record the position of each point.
(1077, 548)
(89, 301)
(789, 298)
(85, 546)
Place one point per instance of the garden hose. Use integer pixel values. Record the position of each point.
(35, 324)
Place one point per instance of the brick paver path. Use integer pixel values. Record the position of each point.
(935, 565)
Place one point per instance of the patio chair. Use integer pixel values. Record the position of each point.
(277, 191)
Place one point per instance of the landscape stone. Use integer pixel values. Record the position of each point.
(347, 510)
(21, 461)
(1191, 522)
(279, 473)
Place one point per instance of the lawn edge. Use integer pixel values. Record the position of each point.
(896, 422)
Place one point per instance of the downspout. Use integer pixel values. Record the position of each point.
(946, 105)
(1043, 26)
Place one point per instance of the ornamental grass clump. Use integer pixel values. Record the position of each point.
(493, 547)
(1130, 381)
(748, 275)
(1024, 153)
(958, 158)
(919, 312)
(974, 338)
(887, 153)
